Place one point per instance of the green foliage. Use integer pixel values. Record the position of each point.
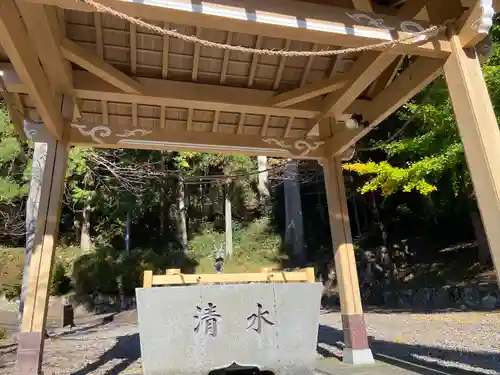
(11, 291)
(427, 150)
(61, 283)
(3, 333)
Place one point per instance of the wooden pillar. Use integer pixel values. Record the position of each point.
(480, 135)
(31, 336)
(356, 349)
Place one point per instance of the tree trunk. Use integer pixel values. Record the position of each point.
(39, 158)
(181, 226)
(127, 232)
(263, 186)
(228, 221)
(484, 255)
(294, 230)
(85, 240)
(483, 249)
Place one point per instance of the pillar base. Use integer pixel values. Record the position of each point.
(29, 353)
(358, 356)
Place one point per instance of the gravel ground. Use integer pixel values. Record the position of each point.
(456, 343)
(467, 341)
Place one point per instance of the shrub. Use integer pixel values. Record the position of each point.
(11, 291)
(3, 333)
(61, 283)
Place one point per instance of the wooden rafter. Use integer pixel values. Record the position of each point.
(163, 111)
(410, 82)
(99, 41)
(215, 122)
(255, 60)
(385, 78)
(360, 76)
(281, 66)
(241, 123)
(15, 41)
(165, 52)
(324, 24)
(158, 92)
(196, 56)
(225, 59)
(307, 68)
(94, 64)
(309, 91)
(133, 49)
(263, 131)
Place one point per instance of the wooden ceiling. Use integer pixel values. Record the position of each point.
(126, 77)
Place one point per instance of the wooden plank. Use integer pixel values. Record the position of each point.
(15, 41)
(322, 24)
(116, 136)
(176, 279)
(147, 281)
(94, 64)
(478, 128)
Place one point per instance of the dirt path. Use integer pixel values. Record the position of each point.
(458, 343)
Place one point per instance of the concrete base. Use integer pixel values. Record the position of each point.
(358, 356)
(29, 353)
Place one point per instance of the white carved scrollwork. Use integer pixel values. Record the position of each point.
(99, 132)
(300, 147)
(410, 27)
(376, 22)
(485, 21)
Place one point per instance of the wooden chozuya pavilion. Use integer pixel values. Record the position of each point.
(76, 75)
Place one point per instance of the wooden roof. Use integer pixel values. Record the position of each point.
(127, 77)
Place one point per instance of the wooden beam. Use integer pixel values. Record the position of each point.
(385, 78)
(409, 83)
(478, 128)
(364, 71)
(19, 48)
(158, 92)
(357, 350)
(43, 29)
(287, 19)
(367, 68)
(475, 25)
(31, 337)
(158, 139)
(94, 64)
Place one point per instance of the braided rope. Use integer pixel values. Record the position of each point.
(415, 37)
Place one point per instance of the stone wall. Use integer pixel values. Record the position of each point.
(474, 296)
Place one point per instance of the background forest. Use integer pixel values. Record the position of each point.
(412, 207)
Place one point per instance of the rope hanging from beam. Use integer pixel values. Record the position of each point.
(414, 38)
